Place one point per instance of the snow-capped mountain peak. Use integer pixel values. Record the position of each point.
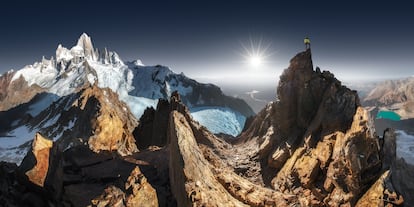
(62, 53)
(138, 62)
(74, 68)
(85, 43)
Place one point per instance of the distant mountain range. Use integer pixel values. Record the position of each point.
(396, 96)
(46, 96)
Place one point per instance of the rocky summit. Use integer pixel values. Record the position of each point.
(314, 146)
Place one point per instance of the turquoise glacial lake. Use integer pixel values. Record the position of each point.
(388, 115)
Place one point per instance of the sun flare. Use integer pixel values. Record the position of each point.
(255, 53)
(255, 61)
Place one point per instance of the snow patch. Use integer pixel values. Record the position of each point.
(64, 129)
(50, 121)
(156, 82)
(14, 155)
(42, 74)
(91, 78)
(111, 77)
(137, 105)
(219, 119)
(63, 53)
(41, 105)
(17, 137)
(138, 62)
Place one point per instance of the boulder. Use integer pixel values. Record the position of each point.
(143, 194)
(138, 193)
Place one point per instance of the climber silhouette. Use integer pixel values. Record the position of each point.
(307, 43)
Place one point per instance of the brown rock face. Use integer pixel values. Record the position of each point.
(316, 138)
(93, 115)
(142, 193)
(379, 195)
(152, 128)
(41, 170)
(41, 148)
(391, 91)
(16, 92)
(192, 180)
(113, 126)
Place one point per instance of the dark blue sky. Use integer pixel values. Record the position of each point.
(203, 38)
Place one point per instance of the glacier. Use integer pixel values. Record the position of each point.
(219, 119)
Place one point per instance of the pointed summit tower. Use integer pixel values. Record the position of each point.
(85, 42)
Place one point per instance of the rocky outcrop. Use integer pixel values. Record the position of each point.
(153, 125)
(192, 180)
(142, 193)
(41, 170)
(113, 127)
(314, 147)
(379, 194)
(152, 128)
(104, 179)
(41, 150)
(316, 138)
(96, 116)
(201, 169)
(402, 172)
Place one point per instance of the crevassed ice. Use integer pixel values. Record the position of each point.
(219, 119)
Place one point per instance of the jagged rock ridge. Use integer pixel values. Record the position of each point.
(93, 116)
(313, 147)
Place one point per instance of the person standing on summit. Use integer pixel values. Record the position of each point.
(307, 43)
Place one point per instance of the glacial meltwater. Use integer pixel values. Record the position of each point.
(388, 115)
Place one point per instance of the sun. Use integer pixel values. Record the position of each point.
(255, 54)
(255, 61)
